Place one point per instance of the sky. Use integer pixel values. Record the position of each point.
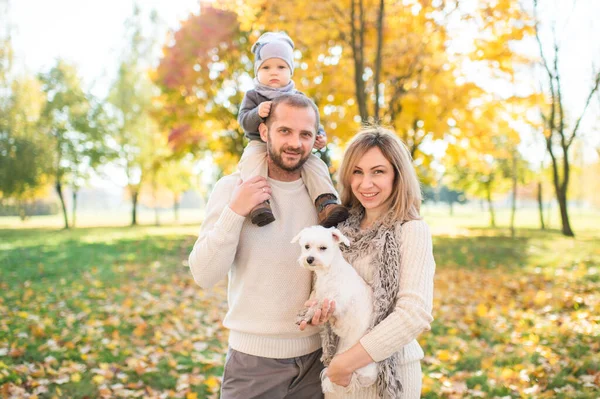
(86, 32)
(90, 34)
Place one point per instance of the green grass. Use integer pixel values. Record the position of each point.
(111, 311)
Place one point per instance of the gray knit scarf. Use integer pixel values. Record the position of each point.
(273, 92)
(382, 240)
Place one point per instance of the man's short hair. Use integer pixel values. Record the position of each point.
(295, 101)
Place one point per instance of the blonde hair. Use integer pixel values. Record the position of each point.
(405, 199)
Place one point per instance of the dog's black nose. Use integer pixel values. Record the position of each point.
(310, 260)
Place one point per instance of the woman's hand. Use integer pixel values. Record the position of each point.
(339, 372)
(321, 315)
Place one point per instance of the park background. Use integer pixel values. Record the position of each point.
(116, 119)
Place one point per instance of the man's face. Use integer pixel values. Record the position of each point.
(291, 136)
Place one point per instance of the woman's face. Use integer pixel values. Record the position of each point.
(372, 181)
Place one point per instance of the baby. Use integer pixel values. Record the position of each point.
(273, 69)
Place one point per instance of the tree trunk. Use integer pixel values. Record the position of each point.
(378, 58)
(134, 200)
(451, 203)
(561, 196)
(176, 207)
(357, 42)
(74, 209)
(58, 187)
(490, 206)
(541, 206)
(156, 216)
(514, 195)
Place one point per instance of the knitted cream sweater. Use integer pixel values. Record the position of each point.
(267, 286)
(412, 315)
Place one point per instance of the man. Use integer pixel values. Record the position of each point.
(269, 356)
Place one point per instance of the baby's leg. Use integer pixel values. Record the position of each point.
(317, 180)
(254, 163)
(254, 160)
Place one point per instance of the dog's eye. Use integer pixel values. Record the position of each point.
(323, 248)
(307, 246)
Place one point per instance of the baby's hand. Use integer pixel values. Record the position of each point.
(320, 141)
(264, 109)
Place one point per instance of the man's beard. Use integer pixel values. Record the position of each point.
(277, 158)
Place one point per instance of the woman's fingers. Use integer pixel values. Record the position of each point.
(316, 320)
(303, 325)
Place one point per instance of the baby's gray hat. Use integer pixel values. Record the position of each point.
(273, 45)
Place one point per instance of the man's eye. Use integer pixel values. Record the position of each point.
(307, 246)
(323, 248)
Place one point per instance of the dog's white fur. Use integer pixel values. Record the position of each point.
(337, 280)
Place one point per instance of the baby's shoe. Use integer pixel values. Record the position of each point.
(330, 212)
(262, 214)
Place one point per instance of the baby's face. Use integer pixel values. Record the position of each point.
(274, 72)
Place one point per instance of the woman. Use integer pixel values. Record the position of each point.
(391, 249)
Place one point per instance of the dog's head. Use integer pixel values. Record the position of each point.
(319, 246)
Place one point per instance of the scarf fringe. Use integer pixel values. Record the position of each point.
(384, 241)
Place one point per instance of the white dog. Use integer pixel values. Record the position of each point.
(337, 280)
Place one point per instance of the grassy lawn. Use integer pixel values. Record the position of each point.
(114, 312)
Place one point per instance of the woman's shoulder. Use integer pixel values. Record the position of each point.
(418, 228)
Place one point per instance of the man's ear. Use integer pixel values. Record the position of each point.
(263, 130)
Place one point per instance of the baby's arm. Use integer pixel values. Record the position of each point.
(248, 116)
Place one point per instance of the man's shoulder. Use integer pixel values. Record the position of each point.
(226, 184)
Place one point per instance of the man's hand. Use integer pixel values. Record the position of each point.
(264, 109)
(248, 194)
(320, 141)
(321, 315)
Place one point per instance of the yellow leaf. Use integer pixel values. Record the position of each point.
(76, 377)
(22, 315)
(98, 379)
(212, 383)
(482, 310)
(507, 373)
(443, 355)
(191, 395)
(540, 298)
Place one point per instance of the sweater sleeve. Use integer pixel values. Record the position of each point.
(216, 246)
(248, 117)
(412, 314)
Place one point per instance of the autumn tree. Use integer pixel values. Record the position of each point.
(130, 107)
(559, 131)
(24, 153)
(406, 70)
(480, 164)
(200, 75)
(68, 120)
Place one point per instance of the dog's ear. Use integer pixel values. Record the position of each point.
(339, 238)
(295, 239)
